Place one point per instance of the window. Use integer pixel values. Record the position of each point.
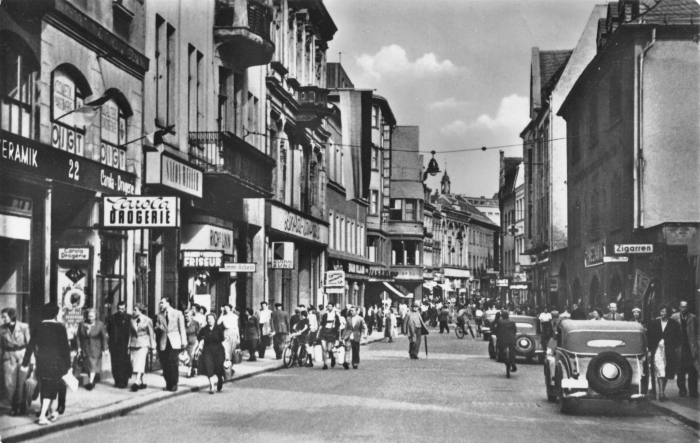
(372, 248)
(375, 116)
(113, 136)
(122, 19)
(375, 159)
(165, 72)
(374, 202)
(395, 209)
(195, 96)
(331, 230)
(19, 110)
(225, 103)
(66, 96)
(411, 210)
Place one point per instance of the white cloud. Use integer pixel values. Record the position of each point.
(448, 103)
(513, 113)
(392, 60)
(457, 127)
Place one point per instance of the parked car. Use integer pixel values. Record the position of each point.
(486, 323)
(528, 342)
(596, 360)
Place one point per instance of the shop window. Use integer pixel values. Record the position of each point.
(19, 110)
(111, 277)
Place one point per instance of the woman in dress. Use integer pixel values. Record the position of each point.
(211, 353)
(49, 343)
(93, 344)
(663, 338)
(192, 328)
(390, 325)
(142, 339)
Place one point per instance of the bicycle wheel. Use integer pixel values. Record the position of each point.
(302, 355)
(459, 332)
(287, 357)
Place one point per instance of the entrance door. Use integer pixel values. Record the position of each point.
(14, 278)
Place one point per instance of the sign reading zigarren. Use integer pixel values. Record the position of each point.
(140, 212)
(634, 249)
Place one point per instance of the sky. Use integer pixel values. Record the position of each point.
(458, 69)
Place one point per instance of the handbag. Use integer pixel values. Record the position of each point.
(30, 384)
(78, 365)
(70, 381)
(236, 357)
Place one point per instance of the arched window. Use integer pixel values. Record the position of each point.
(19, 71)
(113, 135)
(68, 91)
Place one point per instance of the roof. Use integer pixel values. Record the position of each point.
(387, 113)
(552, 64)
(668, 11)
(453, 200)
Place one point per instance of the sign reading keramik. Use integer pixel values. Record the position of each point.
(140, 212)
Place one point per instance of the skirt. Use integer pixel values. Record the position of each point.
(211, 362)
(328, 335)
(660, 362)
(138, 359)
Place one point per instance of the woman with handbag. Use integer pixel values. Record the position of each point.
(49, 342)
(141, 340)
(92, 336)
(210, 350)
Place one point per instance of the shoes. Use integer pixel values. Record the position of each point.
(346, 366)
(135, 387)
(211, 392)
(220, 384)
(514, 369)
(309, 365)
(43, 421)
(663, 398)
(354, 366)
(61, 409)
(693, 395)
(90, 386)
(53, 417)
(332, 362)
(252, 359)
(325, 367)
(173, 389)
(142, 386)
(13, 413)
(683, 393)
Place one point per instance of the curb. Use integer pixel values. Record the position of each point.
(126, 406)
(680, 417)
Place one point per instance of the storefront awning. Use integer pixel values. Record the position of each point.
(396, 291)
(446, 288)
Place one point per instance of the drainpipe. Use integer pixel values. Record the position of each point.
(640, 133)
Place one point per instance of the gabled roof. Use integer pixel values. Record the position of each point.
(552, 64)
(668, 11)
(455, 201)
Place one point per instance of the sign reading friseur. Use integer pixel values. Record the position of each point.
(136, 212)
(296, 225)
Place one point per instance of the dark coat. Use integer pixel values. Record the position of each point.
(505, 333)
(444, 315)
(578, 314)
(50, 344)
(671, 336)
(280, 321)
(118, 330)
(251, 328)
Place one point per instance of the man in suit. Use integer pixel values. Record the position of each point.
(14, 338)
(412, 327)
(172, 339)
(281, 327)
(613, 315)
(355, 330)
(118, 326)
(505, 339)
(688, 364)
(577, 313)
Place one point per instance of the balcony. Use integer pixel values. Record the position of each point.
(242, 28)
(313, 104)
(231, 165)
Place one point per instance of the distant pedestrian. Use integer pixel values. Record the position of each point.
(312, 336)
(295, 317)
(355, 331)
(192, 328)
(390, 330)
(577, 313)
(597, 314)
(330, 326)
(142, 341)
(172, 340)
(479, 317)
(369, 319)
(637, 317)
(118, 326)
(251, 333)
(444, 318)
(264, 317)
(93, 344)
(663, 339)
(49, 344)
(212, 355)
(414, 327)
(14, 339)
(280, 327)
(688, 363)
(505, 341)
(229, 325)
(613, 315)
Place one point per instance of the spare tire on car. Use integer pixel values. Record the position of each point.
(609, 373)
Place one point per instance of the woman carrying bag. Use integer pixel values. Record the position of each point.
(92, 336)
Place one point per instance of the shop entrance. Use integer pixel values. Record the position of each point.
(14, 275)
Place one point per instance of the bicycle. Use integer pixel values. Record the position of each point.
(294, 351)
(460, 331)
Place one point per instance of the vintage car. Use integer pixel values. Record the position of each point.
(596, 359)
(528, 342)
(486, 323)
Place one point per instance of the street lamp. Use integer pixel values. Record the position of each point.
(433, 167)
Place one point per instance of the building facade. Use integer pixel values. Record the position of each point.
(633, 237)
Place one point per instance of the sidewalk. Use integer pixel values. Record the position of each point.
(105, 401)
(685, 410)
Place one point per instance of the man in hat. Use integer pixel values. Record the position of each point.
(689, 351)
(412, 328)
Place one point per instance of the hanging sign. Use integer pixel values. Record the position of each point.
(140, 212)
(167, 170)
(614, 259)
(238, 267)
(335, 279)
(202, 259)
(634, 249)
(503, 283)
(282, 255)
(593, 254)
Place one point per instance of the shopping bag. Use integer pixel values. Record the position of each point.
(318, 353)
(70, 381)
(106, 369)
(30, 386)
(340, 354)
(236, 357)
(77, 365)
(184, 358)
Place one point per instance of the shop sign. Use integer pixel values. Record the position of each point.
(593, 254)
(641, 283)
(238, 267)
(519, 277)
(459, 273)
(553, 283)
(207, 237)
(335, 290)
(166, 170)
(381, 274)
(28, 156)
(67, 139)
(74, 254)
(409, 274)
(614, 259)
(634, 249)
(335, 279)
(297, 225)
(518, 287)
(202, 259)
(282, 255)
(140, 212)
(357, 269)
(502, 283)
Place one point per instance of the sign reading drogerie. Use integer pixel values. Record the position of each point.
(135, 212)
(634, 249)
(78, 254)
